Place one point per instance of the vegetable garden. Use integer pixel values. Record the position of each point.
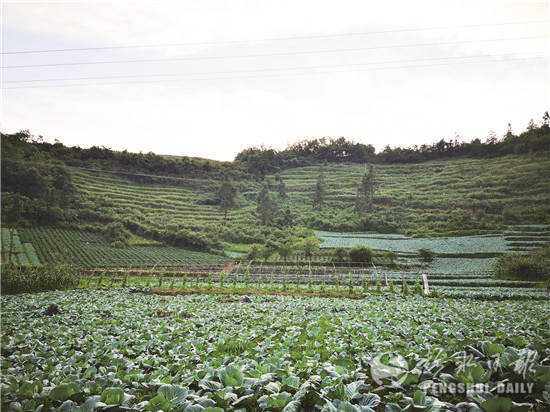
(89, 250)
(115, 350)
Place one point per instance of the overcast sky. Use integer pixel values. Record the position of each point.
(221, 76)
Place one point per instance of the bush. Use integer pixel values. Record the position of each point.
(360, 253)
(18, 279)
(426, 255)
(339, 255)
(516, 266)
(254, 252)
(117, 234)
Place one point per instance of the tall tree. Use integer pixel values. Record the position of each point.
(266, 207)
(308, 245)
(319, 198)
(287, 219)
(365, 192)
(282, 189)
(227, 196)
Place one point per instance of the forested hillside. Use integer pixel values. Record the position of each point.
(448, 188)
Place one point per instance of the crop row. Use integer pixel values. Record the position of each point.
(444, 245)
(92, 250)
(23, 254)
(462, 244)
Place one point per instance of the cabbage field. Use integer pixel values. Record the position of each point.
(524, 237)
(89, 250)
(122, 351)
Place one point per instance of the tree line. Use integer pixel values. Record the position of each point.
(260, 161)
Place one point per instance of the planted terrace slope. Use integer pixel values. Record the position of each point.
(166, 201)
(434, 198)
(446, 197)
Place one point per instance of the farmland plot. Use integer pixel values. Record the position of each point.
(404, 244)
(58, 246)
(148, 352)
(23, 254)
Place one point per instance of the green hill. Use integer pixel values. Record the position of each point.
(444, 197)
(446, 189)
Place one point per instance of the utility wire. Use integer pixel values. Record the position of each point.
(269, 39)
(270, 75)
(267, 70)
(271, 54)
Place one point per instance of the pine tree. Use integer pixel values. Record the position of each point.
(365, 192)
(227, 196)
(266, 207)
(319, 198)
(287, 219)
(282, 189)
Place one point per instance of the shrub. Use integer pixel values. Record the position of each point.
(254, 252)
(339, 255)
(117, 234)
(516, 266)
(360, 253)
(426, 255)
(391, 256)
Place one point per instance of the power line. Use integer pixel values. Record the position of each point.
(269, 39)
(270, 75)
(268, 70)
(272, 54)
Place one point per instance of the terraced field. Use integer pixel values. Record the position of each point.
(90, 250)
(439, 197)
(434, 197)
(155, 204)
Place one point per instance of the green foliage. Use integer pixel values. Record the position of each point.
(364, 284)
(116, 232)
(17, 279)
(405, 288)
(378, 285)
(281, 189)
(265, 207)
(254, 252)
(308, 245)
(520, 267)
(319, 197)
(36, 188)
(339, 255)
(267, 250)
(426, 255)
(292, 352)
(227, 196)
(417, 289)
(360, 254)
(285, 248)
(365, 193)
